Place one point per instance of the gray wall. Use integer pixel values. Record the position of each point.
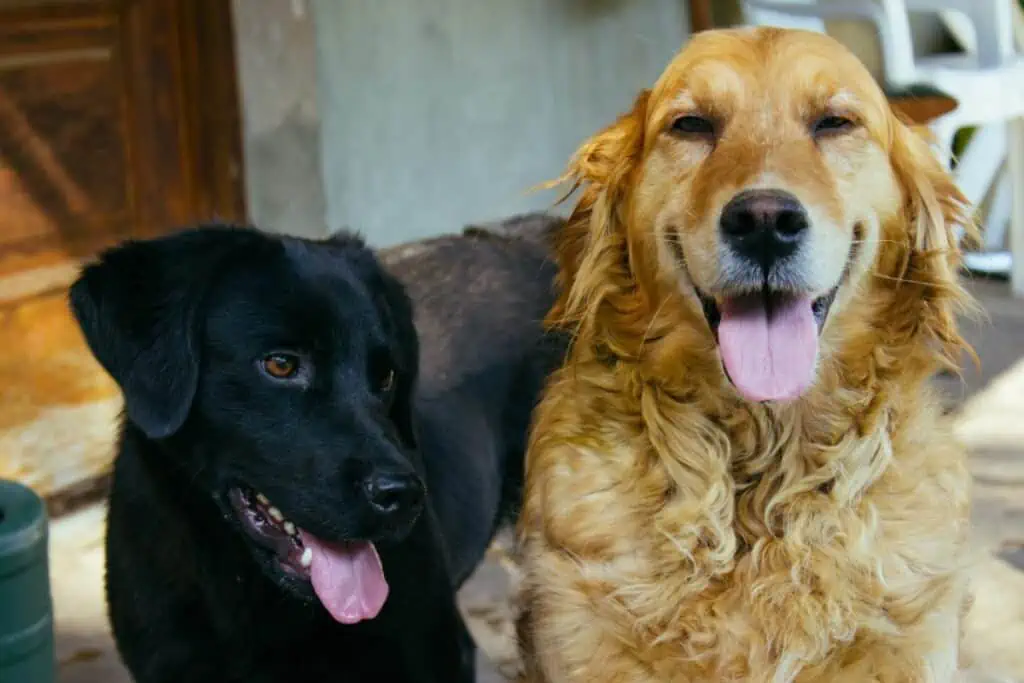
(281, 124)
(441, 112)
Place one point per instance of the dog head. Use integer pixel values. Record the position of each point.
(764, 195)
(277, 376)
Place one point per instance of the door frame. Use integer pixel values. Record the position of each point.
(212, 107)
(203, 39)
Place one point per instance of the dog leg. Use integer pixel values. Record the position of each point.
(928, 654)
(562, 640)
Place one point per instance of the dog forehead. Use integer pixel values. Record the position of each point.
(303, 294)
(721, 72)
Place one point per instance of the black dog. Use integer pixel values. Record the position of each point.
(288, 505)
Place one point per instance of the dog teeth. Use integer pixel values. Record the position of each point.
(277, 517)
(307, 558)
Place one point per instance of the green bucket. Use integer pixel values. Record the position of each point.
(26, 607)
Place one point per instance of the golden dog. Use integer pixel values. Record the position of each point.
(740, 474)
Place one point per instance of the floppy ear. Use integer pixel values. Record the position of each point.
(139, 307)
(933, 212)
(935, 207)
(592, 247)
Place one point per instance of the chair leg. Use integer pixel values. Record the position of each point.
(1015, 169)
(981, 161)
(944, 130)
(999, 210)
(977, 170)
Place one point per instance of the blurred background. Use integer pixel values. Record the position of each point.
(403, 119)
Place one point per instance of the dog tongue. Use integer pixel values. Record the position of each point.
(769, 347)
(348, 578)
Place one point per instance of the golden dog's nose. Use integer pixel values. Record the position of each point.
(764, 226)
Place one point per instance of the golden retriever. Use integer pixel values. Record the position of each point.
(740, 474)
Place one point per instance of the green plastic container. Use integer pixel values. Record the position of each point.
(26, 607)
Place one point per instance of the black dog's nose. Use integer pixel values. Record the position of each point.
(392, 492)
(764, 226)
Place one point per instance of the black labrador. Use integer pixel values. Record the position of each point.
(305, 477)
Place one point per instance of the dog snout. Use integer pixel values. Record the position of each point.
(764, 226)
(393, 495)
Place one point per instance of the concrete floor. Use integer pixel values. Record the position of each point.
(988, 406)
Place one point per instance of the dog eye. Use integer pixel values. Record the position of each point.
(387, 382)
(693, 125)
(831, 124)
(281, 365)
(381, 371)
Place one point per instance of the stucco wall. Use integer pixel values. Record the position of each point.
(439, 113)
(281, 124)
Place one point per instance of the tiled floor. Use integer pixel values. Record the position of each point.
(990, 417)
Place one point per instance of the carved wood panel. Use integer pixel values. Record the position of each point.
(106, 130)
(118, 118)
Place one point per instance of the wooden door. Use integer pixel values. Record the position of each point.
(118, 118)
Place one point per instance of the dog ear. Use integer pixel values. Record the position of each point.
(936, 220)
(592, 248)
(139, 307)
(593, 240)
(935, 207)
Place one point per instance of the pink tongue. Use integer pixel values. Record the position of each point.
(348, 578)
(769, 358)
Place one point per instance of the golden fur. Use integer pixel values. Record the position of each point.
(673, 531)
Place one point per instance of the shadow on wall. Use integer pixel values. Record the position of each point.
(285, 168)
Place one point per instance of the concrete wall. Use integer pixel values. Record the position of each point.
(439, 113)
(281, 122)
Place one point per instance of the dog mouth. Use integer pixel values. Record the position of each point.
(347, 577)
(771, 300)
(267, 526)
(768, 339)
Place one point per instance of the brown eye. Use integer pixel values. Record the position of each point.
(693, 125)
(281, 365)
(828, 125)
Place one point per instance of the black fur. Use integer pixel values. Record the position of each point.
(182, 322)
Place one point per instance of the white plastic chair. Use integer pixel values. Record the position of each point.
(987, 80)
(990, 144)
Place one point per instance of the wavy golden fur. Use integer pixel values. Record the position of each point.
(676, 532)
